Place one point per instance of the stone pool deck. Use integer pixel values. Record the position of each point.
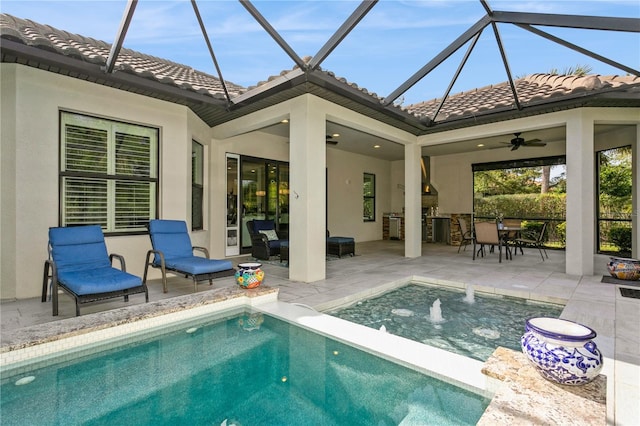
(524, 397)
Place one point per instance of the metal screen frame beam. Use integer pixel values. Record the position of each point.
(273, 33)
(605, 23)
(213, 56)
(438, 59)
(342, 32)
(505, 61)
(456, 75)
(120, 35)
(579, 49)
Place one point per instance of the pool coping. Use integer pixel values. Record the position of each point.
(427, 281)
(44, 339)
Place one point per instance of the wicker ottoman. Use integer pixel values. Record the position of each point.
(339, 246)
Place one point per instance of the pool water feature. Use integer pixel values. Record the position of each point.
(247, 368)
(468, 323)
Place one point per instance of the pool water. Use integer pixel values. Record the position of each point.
(244, 369)
(473, 325)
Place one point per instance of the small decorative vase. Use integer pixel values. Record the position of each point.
(624, 268)
(562, 351)
(249, 275)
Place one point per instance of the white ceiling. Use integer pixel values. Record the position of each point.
(362, 143)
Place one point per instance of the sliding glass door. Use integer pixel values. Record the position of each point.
(264, 194)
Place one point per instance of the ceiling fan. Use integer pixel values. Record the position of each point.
(517, 142)
(331, 139)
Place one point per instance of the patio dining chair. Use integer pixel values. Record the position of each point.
(512, 236)
(172, 251)
(534, 241)
(486, 234)
(79, 265)
(466, 234)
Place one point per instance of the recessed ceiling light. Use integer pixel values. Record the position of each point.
(376, 146)
(285, 121)
(335, 135)
(480, 145)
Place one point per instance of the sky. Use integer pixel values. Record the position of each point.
(393, 41)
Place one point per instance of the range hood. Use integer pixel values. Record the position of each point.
(427, 187)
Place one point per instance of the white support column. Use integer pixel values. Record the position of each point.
(412, 201)
(308, 159)
(635, 176)
(580, 195)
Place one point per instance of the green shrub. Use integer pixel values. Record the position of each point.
(532, 229)
(620, 235)
(561, 232)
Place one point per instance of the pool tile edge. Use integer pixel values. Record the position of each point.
(40, 340)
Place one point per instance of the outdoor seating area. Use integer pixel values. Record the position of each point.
(509, 234)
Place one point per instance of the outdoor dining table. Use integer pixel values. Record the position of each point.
(504, 233)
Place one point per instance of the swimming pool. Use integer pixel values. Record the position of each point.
(469, 324)
(245, 367)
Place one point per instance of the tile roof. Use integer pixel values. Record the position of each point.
(96, 52)
(533, 89)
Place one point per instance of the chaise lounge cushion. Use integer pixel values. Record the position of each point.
(198, 265)
(83, 264)
(172, 236)
(102, 280)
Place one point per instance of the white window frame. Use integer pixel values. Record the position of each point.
(141, 174)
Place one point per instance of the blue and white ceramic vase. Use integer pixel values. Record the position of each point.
(562, 351)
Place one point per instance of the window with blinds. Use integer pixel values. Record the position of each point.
(109, 173)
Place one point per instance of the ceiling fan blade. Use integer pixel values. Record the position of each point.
(515, 147)
(332, 142)
(532, 141)
(535, 144)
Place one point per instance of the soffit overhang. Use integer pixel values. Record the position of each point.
(216, 110)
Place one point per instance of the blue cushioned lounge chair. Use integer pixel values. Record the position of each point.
(172, 251)
(80, 265)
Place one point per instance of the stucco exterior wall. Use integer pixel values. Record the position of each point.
(30, 122)
(345, 197)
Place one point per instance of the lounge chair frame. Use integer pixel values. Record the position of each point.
(196, 277)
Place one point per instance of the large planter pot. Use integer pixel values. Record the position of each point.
(562, 351)
(249, 275)
(624, 269)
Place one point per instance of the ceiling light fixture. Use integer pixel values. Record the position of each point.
(284, 121)
(335, 135)
(480, 145)
(376, 146)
